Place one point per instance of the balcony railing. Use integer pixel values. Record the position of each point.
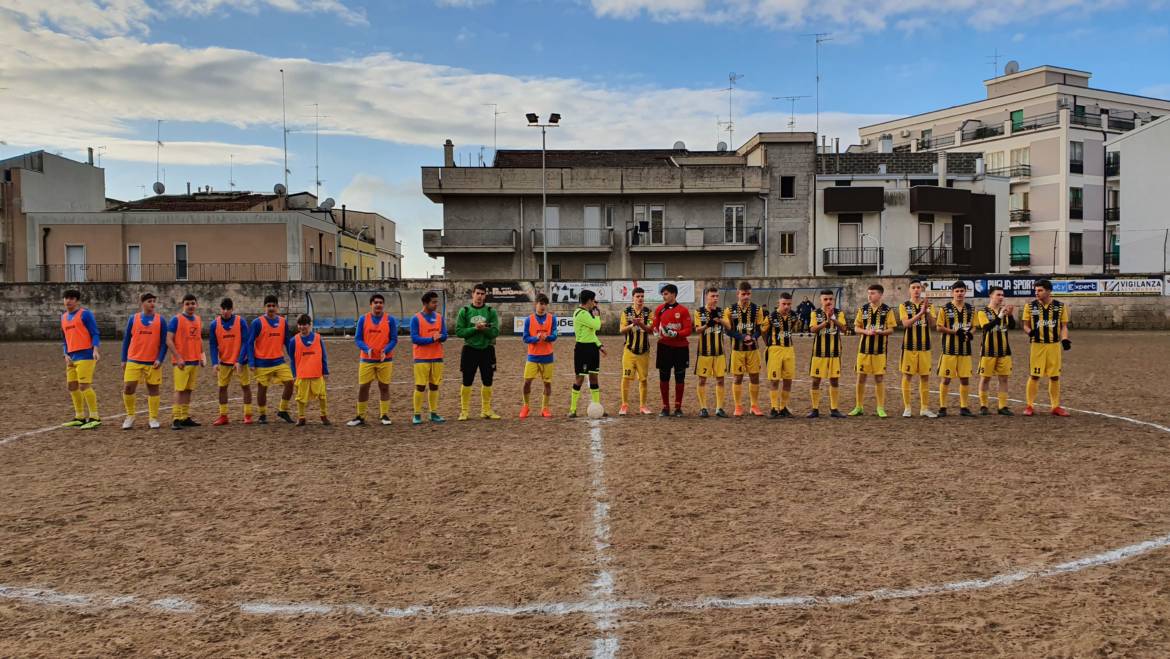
(1117, 123)
(931, 257)
(695, 238)
(936, 142)
(1085, 120)
(1019, 259)
(1076, 166)
(982, 132)
(156, 272)
(1021, 215)
(852, 257)
(1113, 214)
(587, 239)
(1013, 171)
(1037, 122)
(469, 240)
(1076, 213)
(1113, 164)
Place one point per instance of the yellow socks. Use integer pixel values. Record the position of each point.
(90, 397)
(129, 402)
(754, 394)
(283, 405)
(774, 398)
(433, 400)
(1002, 398)
(78, 403)
(964, 394)
(418, 401)
(625, 391)
(816, 399)
(860, 395)
(262, 409)
(362, 406)
(1054, 392)
(924, 393)
(906, 392)
(573, 398)
(324, 406)
(879, 392)
(178, 412)
(383, 408)
(701, 392)
(464, 400)
(302, 407)
(784, 396)
(834, 394)
(641, 393)
(719, 391)
(223, 409)
(153, 403)
(736, 393)
(595, 394)
(944, 390)
(984, 398)
(485, 399)
(1031, 390)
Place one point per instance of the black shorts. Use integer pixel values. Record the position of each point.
(671, 358)
(586, 359)
(477, 360)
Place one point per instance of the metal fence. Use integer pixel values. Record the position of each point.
(226, 272)
(572, 237)
(712, 235)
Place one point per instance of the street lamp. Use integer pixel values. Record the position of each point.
(534, 122)
(879, 250)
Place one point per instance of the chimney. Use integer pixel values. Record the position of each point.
(837, 154)
(882, 168)
(942, 169)
(886, 144)
(188, 188)
(90, 160)
(448, 154)
(980, 166)
(343, 208)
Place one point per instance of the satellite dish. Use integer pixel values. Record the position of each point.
(328, 204)
(721, 147)
(1011, 67)
(158, 187)
(680, 146)
(279, 189)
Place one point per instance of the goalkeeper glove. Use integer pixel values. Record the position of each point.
(1066, 344)
(1035, 333)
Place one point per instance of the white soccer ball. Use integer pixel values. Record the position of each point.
(595, 411)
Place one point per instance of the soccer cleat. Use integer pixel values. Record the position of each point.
(76, 423)
(1056, 411)
(435, 418)
(355, 422)
(836, 414)
(462, 416)
(546, 413)
(262, 420)
(664, 413)
(128, 423)
(756, 411)
(385, 420)
(490, 414)
(1028, 411)
(220, 420)
(881, 413)
(645, 410)
(942, 411)
(927, 414)
(153, 424)
(94, 423)
(623, 410)
(247, 419)
(524, 411)
(678, 413)
(1003, 411)
(738, 411)
(815, 414)
(774, 414)
(176, 425)
(720, 413)
(907, 413)
(704, 414)
(963, 411)
(416, 419)
(285, 415)
(572, 415)
(300, 421)
(857, 411)
(190, 423)
(785, 413)
(983, 411)
(325, 421)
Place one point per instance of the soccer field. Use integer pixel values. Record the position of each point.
(621, 537)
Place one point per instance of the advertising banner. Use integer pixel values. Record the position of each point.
(567, 292)
(564, 325)
(506, 291)
(622, 291)
(1137, 286)
(1076, 287)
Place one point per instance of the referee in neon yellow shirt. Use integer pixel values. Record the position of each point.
(588, 351)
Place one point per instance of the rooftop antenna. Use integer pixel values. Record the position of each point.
(317, 117)
(820, 38)
(732, 78)
(495, 117)
(993, 59)
(231, 171)
(284, 128)
(99, 154)
(158, 144)
(792, 109)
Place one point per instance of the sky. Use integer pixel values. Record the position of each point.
(388, 81)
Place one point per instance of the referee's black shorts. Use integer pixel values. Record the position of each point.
(477, 360)
(672, 358)
(586, 359)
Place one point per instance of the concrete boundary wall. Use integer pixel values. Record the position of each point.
(32, 311)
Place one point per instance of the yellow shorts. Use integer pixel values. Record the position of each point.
(915, 362)
(635, 366)
(711, 367)
(266, 376)
(955, 366)
(80, 372)
(225, 373)
(428, 373)
(309, 389)
(382, 372)
(781, 363)
(145, 373)
(989, 366)
(745, 361)
(1045, 360)
(532, 371)
(871, 364)
(185, 377)
(825, 367)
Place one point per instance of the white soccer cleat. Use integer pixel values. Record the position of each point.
(128, 423)
(907, 413)
(929, 414)
(154, 424)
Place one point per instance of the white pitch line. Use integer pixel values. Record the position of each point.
(602, 589)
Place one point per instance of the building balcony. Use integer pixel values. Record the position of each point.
(182, 271)
(695, 239)
(933, 259)
(1020, 261)
(1013, 172)
(852, 257)
(1113, 164)
(1113, 214)
(934, 199)
(572, 240)
(982, 133)
(854, 199)
(1036, 123)
(936, 142)
(1118, 123)
(1076, 166)
(1076, 213)
(1085, 120)
(1021, 215)
(440, 242)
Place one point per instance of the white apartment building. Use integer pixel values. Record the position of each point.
(1144, 244)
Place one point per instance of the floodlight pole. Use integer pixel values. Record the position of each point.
(544, 196)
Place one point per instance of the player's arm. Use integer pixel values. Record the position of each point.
(762, 322)
(255, 334)
(688, 327)
(727, 327)
(324, 359)
(442, 329)
(907, 320)
(624, 324)
(213, 345)
(891, 325)
(392, 340)
(416, 338)
(1064, 323)
(493, 323)
(90, 323)
(983, 322)
(940, 323)
(290, 346)
(553, 333)
(126, 337)
(859, 322)
(162, 345)
(463, 327)
(359, 334)
(171, 328)
(526, 334)
(813, 325)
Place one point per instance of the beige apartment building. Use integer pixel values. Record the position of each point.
(1045, 129)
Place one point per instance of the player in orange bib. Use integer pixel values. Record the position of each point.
(310, 367)
(144, 347)
(185, 341)
(229, 354)
(80, 338)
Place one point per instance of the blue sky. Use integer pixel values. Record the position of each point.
(394, 79)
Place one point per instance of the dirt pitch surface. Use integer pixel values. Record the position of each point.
(628, 537)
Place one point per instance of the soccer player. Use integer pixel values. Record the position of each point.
(635, 325)
(954, 322)
(428, 332)
(229, 356)
(996, 320)
(143, 349)
(672, 322)
(540, 332)
(875, 322)
(478, 325)
(376, 336)
(827, 325)
(80, 343)
(185, 342)
(588, 350)
(745, 322)
(781, 355)
(710, 361)
(310, 367)
(916, 319)
(1046, 324)
(268, 340)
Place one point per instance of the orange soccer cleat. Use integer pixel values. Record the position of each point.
(524, 412)
(756, 411)
(623, 410)
(247, 419)
(221, 420)
(738, 411)
(1059, 411)
(546, 413)
(1028, 411)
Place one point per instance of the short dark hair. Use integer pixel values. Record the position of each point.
(828, 292)
(428, 296)
(304, 319)
(638, 290)
(271, 299)
(745, 286)
(1046, 284)
(541, 298)
(993, 289)
(479, 287)
(785, 295)
(877, 287)
(586, 295)
(71, 294)
(147, 296)
(916, 281)
(712, 289)
(189, 297)
(959, 286)
(226, 303)
(377, 296)
(668, 288)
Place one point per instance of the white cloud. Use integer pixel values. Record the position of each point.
(463, 4)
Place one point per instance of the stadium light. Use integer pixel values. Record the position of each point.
(554, 120)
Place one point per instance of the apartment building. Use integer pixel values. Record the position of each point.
(370, 245)
(1045, 129)
(1143, 246)
(909, 213)
(634, 213)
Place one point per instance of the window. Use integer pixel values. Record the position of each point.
(312, 251)
(383, 230)
(844, 183)
(383, 266)
(649, 225)
(330, 261)
(925, 230)
(733, 269)
(1019, 201)
(948, 234)
(133, 262)
(1017, 120)
(554, 268)
(787, 243)
(734, 231)
(1021, 251)
(1078, 110)
(968, 236)
(927, 133)
(1021, 157)
(787, 187)
(181, 262)
(610, 216)
(1076, 254)
(657, 225)
(594, 271)
(1076, 157)
(654, 270)
(1076, 203)
(995, 161)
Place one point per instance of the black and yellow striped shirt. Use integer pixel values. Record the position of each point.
(710, 337)
(827, 342)
(995, 332)
(781, 328)
(745, 322)
(637, 339)
(1047, 319)
(917, 336)
(956, 318)
(880, 317)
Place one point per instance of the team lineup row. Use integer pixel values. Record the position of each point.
(761, 340)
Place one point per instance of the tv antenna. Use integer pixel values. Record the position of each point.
(732, 78)
(284, 128)
(820, 38)
(99, 155)
(993, 60)
(317, 117)
(792, 110)
(231, 171)
(495, 118)
(158, 145)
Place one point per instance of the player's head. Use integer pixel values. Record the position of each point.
(541, 304)
(587, 298)
(638, 295)
(712, 296)
(958, 292)
(669, 293)
(189, 303)
(875, 293)
(226, 307)
(916, 288)
(1043, 289)
(479, 295)
(430, 301)
(305, 324)
(72, 299)
(271, 305)
(146, 303)
(377, 303)
(784, 303)
(995, 296)
(828, 297)
(744, 292)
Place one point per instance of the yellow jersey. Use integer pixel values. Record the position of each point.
(827, 342)
(710, 336)
(995, 332)
(745, 321)
(956, 318)
(637, 339)
(880, 317)
(917, 336)
(1047, 319)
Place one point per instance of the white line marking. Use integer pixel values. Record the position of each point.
(601, 591)
(40, 431)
